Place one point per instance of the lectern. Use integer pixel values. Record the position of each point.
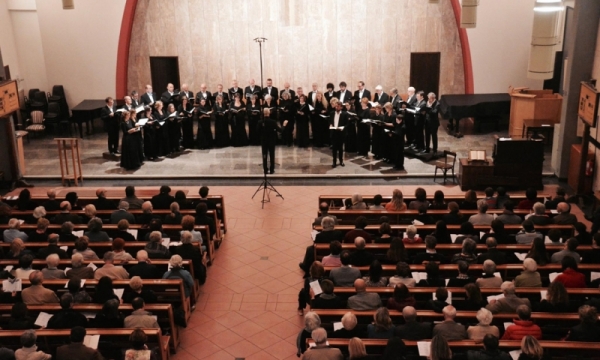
(71, 145)
(532, 104)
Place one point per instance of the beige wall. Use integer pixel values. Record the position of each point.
(315, 41)
(10, 56)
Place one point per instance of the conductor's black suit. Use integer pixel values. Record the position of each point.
(338, 136)
(111, 124)
(267, 128)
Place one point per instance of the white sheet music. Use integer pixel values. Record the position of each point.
(133, 232)
(337, 326)
(12, 285)
(515, 354)
(91, 341)
(165, 242)
(448, 300)
(453, 237)
(316, 287)
(119, 292)
(80, 285)
(495, 297)
(310, 107)
(507, 324)
(419, 275)
(93, 266)
(543, 294)
(313, 235)
(553, 276)
(594, 275)
(417, 222)
(424, 348)
(64, 248)
(78, 233)
(521, 256)
(8, 268)
(42, 319)
(142, 122)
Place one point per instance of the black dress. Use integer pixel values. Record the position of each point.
(204, 138)
(162, 133)
(174, 130)
(388, 143)
(221, 125)
(286, 113)
(363, 132)
(302, 135)
(253, 117)
(237, 114)
(351, 135)
(131, 156)
(187, 124)
(320, 125)
(378, 139)
(150, 144)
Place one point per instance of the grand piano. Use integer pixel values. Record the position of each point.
(483, 108)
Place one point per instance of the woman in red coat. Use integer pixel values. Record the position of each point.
(570, 277)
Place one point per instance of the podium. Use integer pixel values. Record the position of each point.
(68, 172)
(532, 104)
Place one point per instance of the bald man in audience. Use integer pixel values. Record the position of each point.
(144, 268)
(564, 216)
(363, 300)
(37, 294)
(450, 329)
(361, 257)
(51, 204)
(102, 203)
(147, 216)
(509, 303)
(412, 329)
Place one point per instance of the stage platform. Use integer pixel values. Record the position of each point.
(41, 161)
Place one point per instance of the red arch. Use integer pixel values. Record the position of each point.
(123, 49)
(466, 49)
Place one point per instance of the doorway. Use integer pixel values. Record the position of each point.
(425, 72)
(164, 70)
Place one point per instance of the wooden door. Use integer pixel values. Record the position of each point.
(425, 72)
(164, 70)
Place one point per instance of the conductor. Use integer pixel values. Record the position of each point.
(267, 128)
(337, 123)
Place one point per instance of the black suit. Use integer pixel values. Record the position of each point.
(111, 124)
(499, 257)
(420, 124)
(347, 96)
(233, 91)
(224, 95)
(134, 103)
(103, 203)
(409, 121)
(398, 145)
(414, 331)
(267, 129)
(292, 94)
(249, 92)
(146, 99)
(144, 270)
(168, 98)
(358, 98)
(274, 93)
(338, 136)
(396, 102)
(432, 122)
(309, 98)
(189, 95)
(162, 201)
(383, 99)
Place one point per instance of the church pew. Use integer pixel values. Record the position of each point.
(167, 290)
(112, 341)
(560, 349)
(164, 313)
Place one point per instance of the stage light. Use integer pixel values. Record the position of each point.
(468, 13)
(68, 4)
(544, 39)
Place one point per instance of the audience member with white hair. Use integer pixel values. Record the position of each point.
(78, 269)
(89, 212)
(122, 213)
(349, 328)
(177, 272)
(155, 248)
(529, 277)
(482, 217)
(483, 327)
(489, 279)
(38, 213)
(136, 289)
(509, 303)
(51, 271)
(539, 216)
(29, 348)
(312, 321)
(321, 351)
(450, 329)
(13, 231)
(110, 270)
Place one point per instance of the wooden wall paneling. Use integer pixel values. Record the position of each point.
(241, 52)
(156, 35)
(374, 47)
(359, 42)
(270, 50)
(254, 23)
(182, 41)
(403, 44)
(300, 51)
(388, 48)
(330, 39)
(138, 45)
(208, 33)
(344, 50)
(314, 53)
(286, 56)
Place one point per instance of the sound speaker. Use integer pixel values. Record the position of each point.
(68, 4)
(468, 13)
(544, 39)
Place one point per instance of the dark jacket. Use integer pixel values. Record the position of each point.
(361, 258)
(74, 351)
(67, 319)
(430, 257)
(162, 201)
(487, 355)
(105, 322)
(61, 218)
(148, 295)
(326, 237)
(497, 256)
(327, 302)
(414, 330)
(144, 270)
(103, 203)
(456, 282)
(51, 249)
(584, 332)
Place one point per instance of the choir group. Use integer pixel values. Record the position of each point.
(383, 124)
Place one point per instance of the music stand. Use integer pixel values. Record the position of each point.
(266, 185)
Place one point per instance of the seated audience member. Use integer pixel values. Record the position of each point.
(324, 211)
(489, 279)
(203, 219)
(411, 236)
(396, 252)
(312, 321)
(539, 216)
(137, 290)
(14, 231)
(66, 232)
(532, 350)
(37, 294)
(188, 250)
(80, 296)
(155, 248)
(163, 199)
(76, 349)
(89, 212)
(358, 203)
(79, 270)
(397, 203)
(122, 213)
(65, 215)
(581, 234)
(555, 236)
(104, 291)
(52, 248)
(463, 277)
(434, 278)
(345, 275)
(467, 231)
(498, 232)
(177, 272)
(327, 299)
(423, 217)
(482, 217)
(449, 329)
(67, 318)
(315, 273)
(508, 216)
(51, 204)
(483, 327)
(529, 277)
(470, 201)
(439, 349)
(468, 253)
(155, 225)
(359, 231)
(72, 198)
(375, 278)
(382, 327)
(41, 232)
(377, 200)
(564, 216)
(349, 328)
(403, 276)
(102, 203)
(439, 302)
(144, 268)
(203, 193)
(412, 329)
(19, 318)
(109, 317)
(530, 199)
(187, 224)
(118, 249)
(509, 303)
(401, 298)
(441, 233)
(526, 235)
(182, 201)
(357, 350)
(385, 234)
(490, 199)
(593, 256)
(588, 329)
(333, 259)
(24, 202)
(140, 318)
(24, 269)
(321, 350)
(430, 254)
(139, 349)
(146, 216)
(493, 254)
(29, 348)
(454, 216)
(109, 269)
(570, 277)
(556, 301)
(82, 247)
(95, 233)
(490, 350)
(363, 300)
(569, 250)
(420, 199)
(523, 326)
(361, 257)
(174, 217)
(473, 299)
(438, 202)
(51, 271)
(18, 250)
(122, 231)
(134, 202)
(558, 198)
(328, 234)
(538, 252)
